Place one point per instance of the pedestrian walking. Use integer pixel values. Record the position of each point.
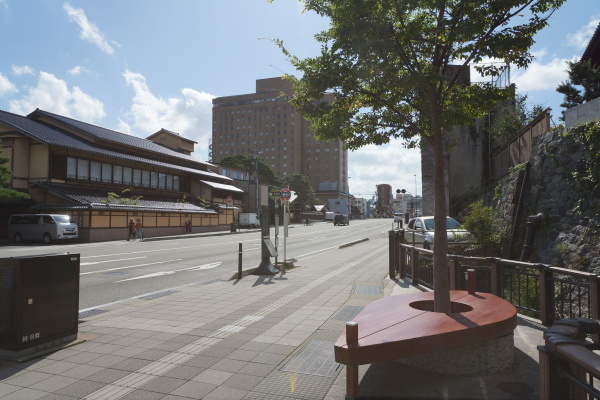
(131, 228)
(188, 226)
(139, 230)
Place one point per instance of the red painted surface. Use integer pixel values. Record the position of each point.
(390, 328)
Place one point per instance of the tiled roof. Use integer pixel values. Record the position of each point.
(95, 198)
(52, 135)
(109, 135)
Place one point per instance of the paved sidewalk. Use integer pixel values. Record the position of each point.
(261, 337)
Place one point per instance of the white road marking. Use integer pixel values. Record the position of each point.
(107, 261)
(131, 266)
(163, 273)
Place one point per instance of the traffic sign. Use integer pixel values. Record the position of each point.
(285, 194)
(274, 193)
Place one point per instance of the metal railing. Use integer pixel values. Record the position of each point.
(537, 290)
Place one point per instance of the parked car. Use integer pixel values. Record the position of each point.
(420, 231)
(340, 219)
(44, 227)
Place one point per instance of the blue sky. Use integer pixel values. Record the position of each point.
(137, 66)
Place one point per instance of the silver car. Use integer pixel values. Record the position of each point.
(420, 231)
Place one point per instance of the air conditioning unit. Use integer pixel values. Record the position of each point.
(39, 304)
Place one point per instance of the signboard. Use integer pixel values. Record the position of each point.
(229, 200)
(285, 194)
(274, 193)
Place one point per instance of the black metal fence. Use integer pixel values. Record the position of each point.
(537, 290)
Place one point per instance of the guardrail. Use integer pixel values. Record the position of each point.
(537, 290)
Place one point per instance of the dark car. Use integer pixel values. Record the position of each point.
(339, 219)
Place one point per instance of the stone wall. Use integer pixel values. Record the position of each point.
(569, 236)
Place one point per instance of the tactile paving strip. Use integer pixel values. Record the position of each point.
(315, 358)
(348, 313)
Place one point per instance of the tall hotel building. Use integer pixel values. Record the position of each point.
(265, 123)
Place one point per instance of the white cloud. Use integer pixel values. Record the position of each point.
(77, 70)
(539, 76)
(52, 94)
(190, 115)
(22, 70)
(6, 86)
(391, 163)
(581, 38)
(89, 31)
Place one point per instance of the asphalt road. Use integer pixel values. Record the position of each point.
(119, 270)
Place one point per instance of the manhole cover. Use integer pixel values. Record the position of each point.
(348, 313)
(316, 358)
(371, 290)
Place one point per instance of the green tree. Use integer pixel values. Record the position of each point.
(583, 84)
(6, 193)
(397, 69)
(247, 163)
(300, 184)
(511, 117)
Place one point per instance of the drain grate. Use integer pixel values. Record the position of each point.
(316, 358)
(371, 290)
(157, 295)
(348, 313)
(90, 313)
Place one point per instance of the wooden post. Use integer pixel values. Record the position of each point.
(392, 253)
(454, 267)
(413, 266)
(494, 278)
(402, 262)
(546, 295)
(552, 386)
(595, 303)
(471, 281)
(352, 369)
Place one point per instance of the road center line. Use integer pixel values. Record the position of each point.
(107, 261)
(131, 266)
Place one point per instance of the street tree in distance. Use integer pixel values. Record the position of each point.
(582, 85)
(6, 193)
(396, 69)
(266, 175)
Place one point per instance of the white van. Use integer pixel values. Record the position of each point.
(44, 227)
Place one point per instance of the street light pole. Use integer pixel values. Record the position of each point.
(416, 199)
(255, 158)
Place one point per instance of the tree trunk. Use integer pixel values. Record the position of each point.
(441, 278)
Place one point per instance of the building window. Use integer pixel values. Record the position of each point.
(83, 169)
(95, 171)
(71, 167)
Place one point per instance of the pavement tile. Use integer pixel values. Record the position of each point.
(25, 394)
(243, 355)
(229, 365)
(106, 348)
(6, 389)
(201, 361)
(53, 383)
(269, 358)
(254, 346)
(107, 375)
(107, 360)
(217, 351)
(82, 371)
(280, 349)
(125, 341)
(213, 376)
(193, 389)
(80, 389)
(163, 384)
(152, 355)
(256, 369)
(54, 396)
(83, 357)
(244, 382)
(27, 379)
(226, 393)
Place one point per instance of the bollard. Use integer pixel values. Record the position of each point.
(351, 370)
(471, 281)
(240, 262)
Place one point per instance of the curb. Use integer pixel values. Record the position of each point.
(353, 243)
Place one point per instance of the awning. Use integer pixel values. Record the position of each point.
(222, 186)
